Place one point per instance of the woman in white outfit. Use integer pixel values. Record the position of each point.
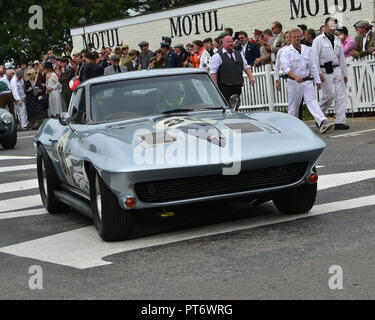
(55, 100)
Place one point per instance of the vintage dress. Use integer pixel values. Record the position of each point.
(56, 103)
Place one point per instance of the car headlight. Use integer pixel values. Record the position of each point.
(6, 118)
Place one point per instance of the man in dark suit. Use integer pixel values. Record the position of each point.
(169, 55)
(248, 49)
(181, 54)
(91, 69)
(65, 78)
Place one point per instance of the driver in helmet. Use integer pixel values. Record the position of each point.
(173, 97)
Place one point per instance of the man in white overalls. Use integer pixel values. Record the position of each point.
(328, 54)
(298, 64)
(18, 89)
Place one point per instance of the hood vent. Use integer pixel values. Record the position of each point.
(244, 127)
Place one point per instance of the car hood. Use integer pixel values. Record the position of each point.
(199, 139)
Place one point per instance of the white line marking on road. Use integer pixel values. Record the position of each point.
(20, 203)
(18, 168)
(339, 179)
(16, 157)
(356, 133)
(23, 213)
(82, 248)
(25, 137)
(19, 185)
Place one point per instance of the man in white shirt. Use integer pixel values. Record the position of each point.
(278, 60)
(227, 67)
(328, 55)
(298, 64)
(207, 54)
(8, 77)
(17, 86)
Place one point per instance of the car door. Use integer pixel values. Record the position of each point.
(68, 147)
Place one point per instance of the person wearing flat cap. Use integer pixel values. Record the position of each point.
(133, 64)
(144, 56)
(166, 39)
(124, 57)
(169, 54)
(181, 54)
(365, 41)
(115, 66)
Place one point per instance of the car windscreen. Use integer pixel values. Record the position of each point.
(127, 99)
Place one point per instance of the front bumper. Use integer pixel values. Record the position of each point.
(124, 185)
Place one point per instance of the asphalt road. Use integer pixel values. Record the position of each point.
(216, 252)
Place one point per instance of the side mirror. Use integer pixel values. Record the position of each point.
(235, 101)
(65, 119)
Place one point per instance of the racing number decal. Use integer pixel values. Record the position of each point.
(176, 122)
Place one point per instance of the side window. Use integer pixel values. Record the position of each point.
(79, 108)
(74, 101)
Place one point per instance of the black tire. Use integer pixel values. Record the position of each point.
(111, 221)
(296, 200)
(48, 182)
(11, 141)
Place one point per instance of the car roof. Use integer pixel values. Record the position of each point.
(142, 74)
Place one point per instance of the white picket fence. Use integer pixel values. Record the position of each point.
(264, 96)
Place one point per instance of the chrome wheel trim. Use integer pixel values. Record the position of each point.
(44, 178)
(98, 197)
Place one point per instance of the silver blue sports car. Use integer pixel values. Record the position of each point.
(149, 140)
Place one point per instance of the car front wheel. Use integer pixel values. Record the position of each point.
(11, 141)
(296, 200)
(48, 182)
(111, 221)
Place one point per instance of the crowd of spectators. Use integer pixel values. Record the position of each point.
(42, 88)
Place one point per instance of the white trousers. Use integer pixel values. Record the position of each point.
(307, 92)
(21, 113)
(334, 90)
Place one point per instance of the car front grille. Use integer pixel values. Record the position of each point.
(205, 186)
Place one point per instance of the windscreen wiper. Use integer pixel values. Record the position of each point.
(206, 107)
(177, 110)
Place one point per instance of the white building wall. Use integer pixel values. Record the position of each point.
(244, 15)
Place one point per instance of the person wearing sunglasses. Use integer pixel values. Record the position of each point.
(33, 90)
(248, 49)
